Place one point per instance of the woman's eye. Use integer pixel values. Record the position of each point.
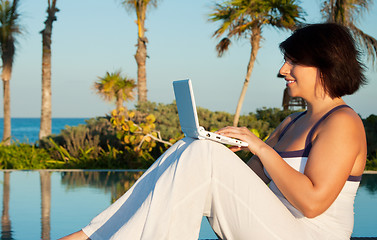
(290, 61)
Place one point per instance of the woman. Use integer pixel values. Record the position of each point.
(313, 163)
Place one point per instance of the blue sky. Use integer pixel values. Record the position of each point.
(91, 37)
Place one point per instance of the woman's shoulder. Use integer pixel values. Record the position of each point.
(344, 117)
(343, 122)
(343, 134)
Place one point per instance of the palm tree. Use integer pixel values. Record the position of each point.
(9, 28)
(247, 18)
(141, 6)
(45, 128)
(347, 12)
(114, 86)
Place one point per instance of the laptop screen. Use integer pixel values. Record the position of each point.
(186, 106)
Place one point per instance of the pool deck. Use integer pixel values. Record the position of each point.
(363, 238)
(352, 238)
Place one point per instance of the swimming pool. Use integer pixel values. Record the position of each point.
(50, 204)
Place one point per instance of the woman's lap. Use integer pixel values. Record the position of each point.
(191, 179)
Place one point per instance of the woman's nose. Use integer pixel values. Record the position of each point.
(284, 70)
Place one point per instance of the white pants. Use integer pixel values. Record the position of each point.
(191, 179)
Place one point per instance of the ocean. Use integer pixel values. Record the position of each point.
(26, 130)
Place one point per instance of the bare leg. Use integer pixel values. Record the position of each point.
(79, 235)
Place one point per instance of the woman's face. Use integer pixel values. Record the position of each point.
(302, 81)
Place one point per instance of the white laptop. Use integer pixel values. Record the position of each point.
(188, 116)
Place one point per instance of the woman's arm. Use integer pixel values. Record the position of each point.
(339, 142)
(339, 150)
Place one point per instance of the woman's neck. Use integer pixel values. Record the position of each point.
(322, 106)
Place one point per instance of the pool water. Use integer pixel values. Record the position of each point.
(48, 205)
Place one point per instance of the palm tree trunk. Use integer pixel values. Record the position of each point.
(338, 9)
(45, 128)
(45, 179)
(286, 99)
(141, 57)
(7, 116)
(254, 40)
(119, 104)
(6, 229)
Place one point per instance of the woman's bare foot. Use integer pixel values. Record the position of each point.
(79, 235)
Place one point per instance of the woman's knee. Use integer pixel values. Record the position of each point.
(209, 149)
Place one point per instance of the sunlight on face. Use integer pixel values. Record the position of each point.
(302, 81)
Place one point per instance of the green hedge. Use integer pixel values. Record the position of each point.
(25, 156)
(96, 144)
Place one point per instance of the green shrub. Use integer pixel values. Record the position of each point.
(89, 138)
(25, 156)
(371, 163)
(109, 142)
(274, 116)
(167, 121)
(370, 125)
(141, 142)
(90, 145)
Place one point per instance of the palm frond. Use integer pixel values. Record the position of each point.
(368, 42)
(126, 87)
(238, 17)
(286, 14)
(114, 85)
(347, 13)
(9, 28)
(356, 9)
(139, 5)
(225, 14)
(223, 46)
(344, 12)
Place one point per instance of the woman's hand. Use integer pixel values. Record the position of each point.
(243, 134)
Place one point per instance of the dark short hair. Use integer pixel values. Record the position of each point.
(331, 48)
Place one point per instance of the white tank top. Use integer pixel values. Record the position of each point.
(338, 219)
